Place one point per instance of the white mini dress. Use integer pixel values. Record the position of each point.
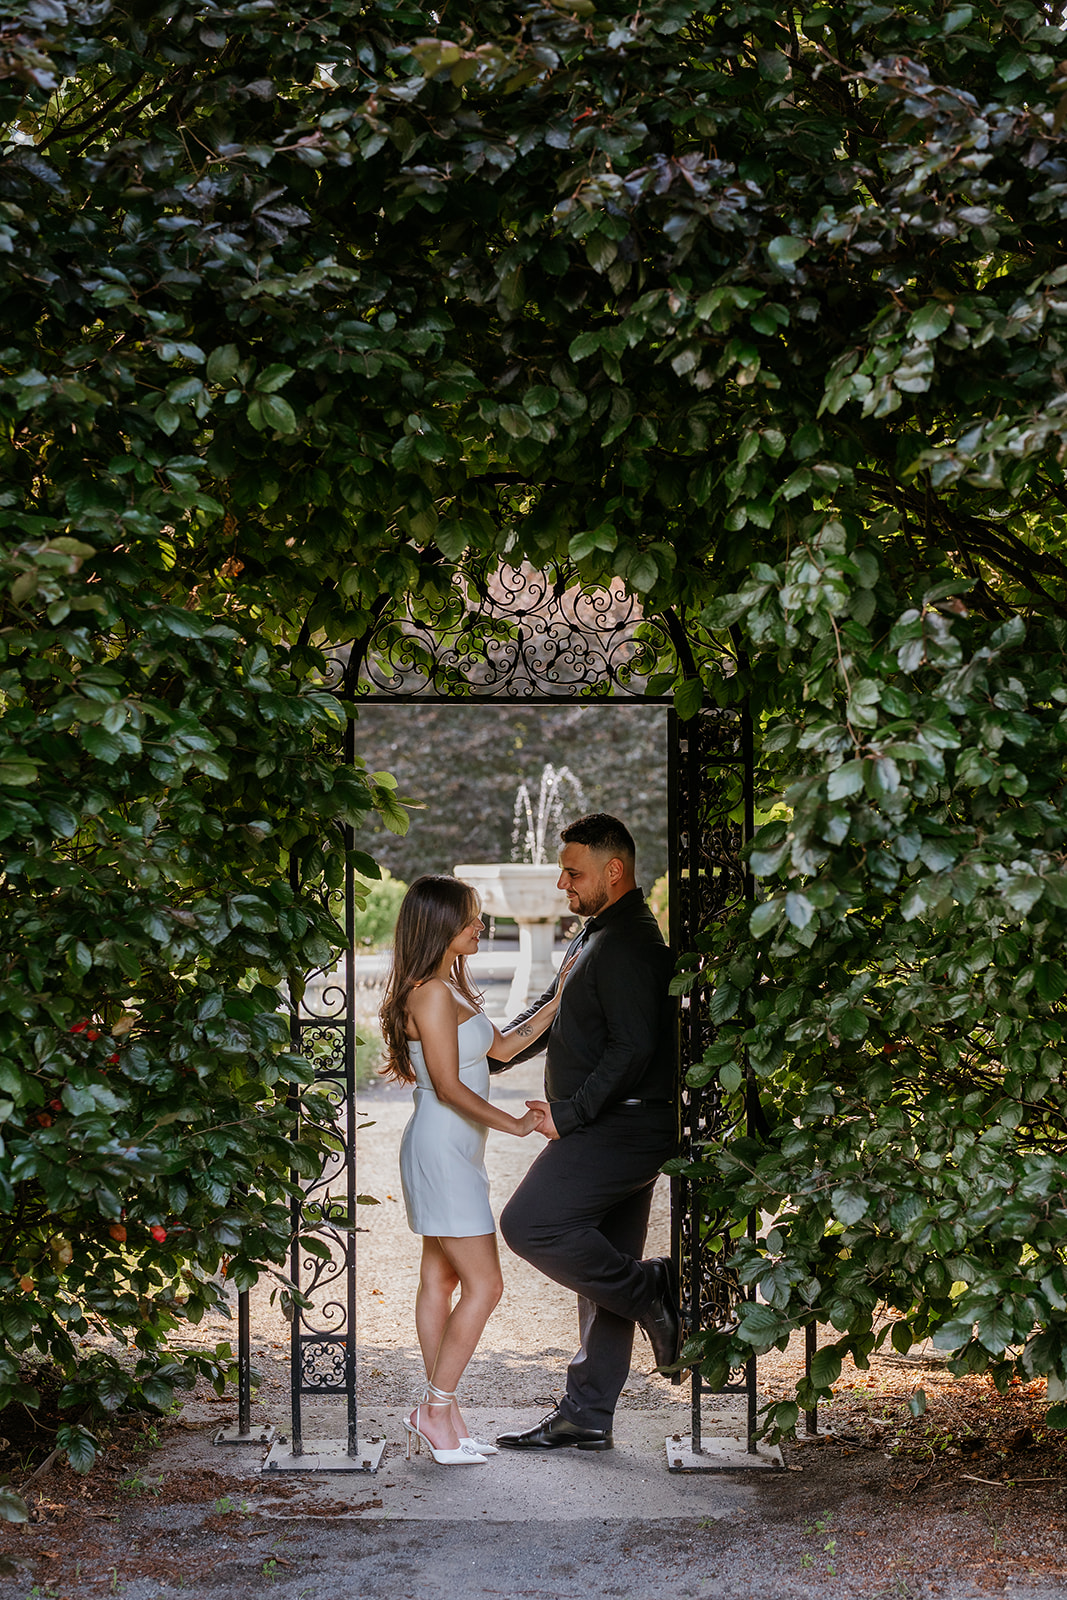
(442, 1154)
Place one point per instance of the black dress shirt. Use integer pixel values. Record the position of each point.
(613, 1037)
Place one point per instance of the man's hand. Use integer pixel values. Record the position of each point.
(548, 1127)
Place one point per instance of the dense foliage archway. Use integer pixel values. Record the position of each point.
(759, 310)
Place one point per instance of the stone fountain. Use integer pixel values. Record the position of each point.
(526, 889)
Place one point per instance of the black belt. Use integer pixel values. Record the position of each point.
(645, 1102)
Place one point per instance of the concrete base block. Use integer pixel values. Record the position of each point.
(721, 1455)
(324, 1455)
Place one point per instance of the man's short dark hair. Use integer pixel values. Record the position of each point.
(606, 835)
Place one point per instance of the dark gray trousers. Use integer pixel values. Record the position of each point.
(580, 1216)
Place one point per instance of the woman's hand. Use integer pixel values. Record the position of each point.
(566, 967)
(561, 978)
(530, 1123)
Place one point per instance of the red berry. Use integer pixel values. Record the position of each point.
(92, 1033)
(158, 1233)
(113, 1061)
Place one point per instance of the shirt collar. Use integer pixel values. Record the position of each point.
(629, 902)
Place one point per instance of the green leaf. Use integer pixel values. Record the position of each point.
(25, 587)
(222, 363)
(1012, 63)
(995, 1329)
(112, 1388)
(773, 65)
(765, 917)
(786, 1416)
(79, 1444)
(515, 421)
(590, 539)
(688, 697)
(540, 399)
(825, 1367)
(917, 1402)
(901, 1337)
(276, 376)
(798, 909)
(723, 1003)
(60, 818)
(852, 1023)
(953, 1335)
(392, 813)
(642, 572)
(760, 1324)
(279, 414)
(105, 746)
(846, 780)
(1050, 980)
(881, 776)
(849, 1204)
(273, 411)
(785, 251)
(182, 390)
(72, 547)
(17, 772)
(930, 321)
(14, 1509)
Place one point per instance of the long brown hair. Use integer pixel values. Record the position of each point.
(432, 912)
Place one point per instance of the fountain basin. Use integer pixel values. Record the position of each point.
(529, 894)
(516, 889)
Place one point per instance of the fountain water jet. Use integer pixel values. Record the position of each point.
(549, 812)
(526, 890)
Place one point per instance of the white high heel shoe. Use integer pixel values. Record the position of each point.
(482, 1446)
(465, 1456)
(479, 1445)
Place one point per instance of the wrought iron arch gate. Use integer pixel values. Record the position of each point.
(539, 638)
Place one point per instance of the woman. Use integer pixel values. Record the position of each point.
(437, 1037)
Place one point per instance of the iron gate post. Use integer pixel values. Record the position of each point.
(811, 1342)
(708, 755)
(334, 1219)
(350, 1123)
(244, 1433)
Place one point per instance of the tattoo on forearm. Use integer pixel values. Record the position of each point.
(524, 1032)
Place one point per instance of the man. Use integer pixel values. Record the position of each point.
(581, 1213)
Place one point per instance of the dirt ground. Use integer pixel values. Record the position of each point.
(965, 1501)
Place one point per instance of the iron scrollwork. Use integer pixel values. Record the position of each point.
(511, 633)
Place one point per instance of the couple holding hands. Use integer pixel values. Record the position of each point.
(609, 1121)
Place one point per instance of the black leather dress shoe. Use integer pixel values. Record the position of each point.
(556, 1433)
(661, 1322)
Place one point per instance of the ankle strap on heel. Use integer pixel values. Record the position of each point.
(438, 1397)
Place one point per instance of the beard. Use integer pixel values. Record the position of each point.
(594, 900)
